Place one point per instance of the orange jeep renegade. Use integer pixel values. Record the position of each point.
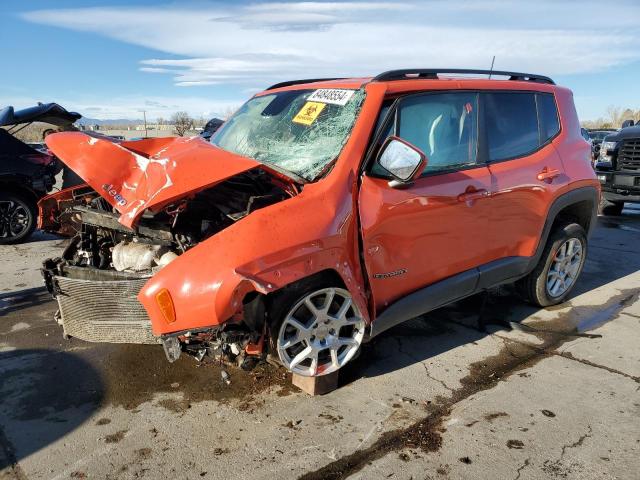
(323, 212)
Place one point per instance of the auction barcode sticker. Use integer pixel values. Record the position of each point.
(335, 96)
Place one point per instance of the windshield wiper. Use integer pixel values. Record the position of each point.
(292, 176)
(326, 169)
(296, 178)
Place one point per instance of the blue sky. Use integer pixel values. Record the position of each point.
(115, 58)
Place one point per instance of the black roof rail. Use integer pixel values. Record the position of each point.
(297, 82)
(432, 73)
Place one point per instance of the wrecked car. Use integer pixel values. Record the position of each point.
(325, 212)
(27, 172)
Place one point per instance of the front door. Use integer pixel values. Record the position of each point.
(437, 226)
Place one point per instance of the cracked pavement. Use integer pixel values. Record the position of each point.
(518, 393)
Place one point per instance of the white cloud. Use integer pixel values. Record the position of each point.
(251, 46)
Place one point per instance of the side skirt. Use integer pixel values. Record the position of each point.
(457, 287)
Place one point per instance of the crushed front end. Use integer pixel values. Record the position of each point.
(97, 279)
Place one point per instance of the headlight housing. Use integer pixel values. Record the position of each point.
(606, 150)
(606, 146)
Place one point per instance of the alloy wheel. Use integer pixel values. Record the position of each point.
(14, 219)
(321, 333)
(565, 267)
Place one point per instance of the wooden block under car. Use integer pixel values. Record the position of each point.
(316, 385)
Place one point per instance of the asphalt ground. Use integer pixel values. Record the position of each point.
(485, 388)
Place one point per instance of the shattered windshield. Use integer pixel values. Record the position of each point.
(300, 131)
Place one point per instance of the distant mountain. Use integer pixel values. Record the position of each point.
(117, 121)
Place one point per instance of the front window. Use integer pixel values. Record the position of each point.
(293, 130)
(444, 126)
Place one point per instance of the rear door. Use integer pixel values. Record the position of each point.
(526, 169)
(437, 226)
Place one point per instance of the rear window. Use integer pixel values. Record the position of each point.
(512, 125)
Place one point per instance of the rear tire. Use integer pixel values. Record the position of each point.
(559, 267)
(17, 218)
(611, 208)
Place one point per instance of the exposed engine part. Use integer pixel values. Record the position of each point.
(166, 259)
(159, 237)
(138, 257)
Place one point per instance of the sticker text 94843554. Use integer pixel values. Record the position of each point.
(334, 96)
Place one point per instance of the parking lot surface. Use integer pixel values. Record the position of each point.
(486, 388)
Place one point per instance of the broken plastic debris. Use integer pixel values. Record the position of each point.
(226, 378)
(200, 355)
(235, 348)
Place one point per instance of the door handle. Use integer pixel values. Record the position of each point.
(471, 194)
(548, 174)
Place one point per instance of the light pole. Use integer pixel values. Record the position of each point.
(144, 114)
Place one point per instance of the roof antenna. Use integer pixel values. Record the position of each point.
(491, 70)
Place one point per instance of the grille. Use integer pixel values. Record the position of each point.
(629, 156)
(104, 311)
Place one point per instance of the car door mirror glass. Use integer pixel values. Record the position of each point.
(401, 159)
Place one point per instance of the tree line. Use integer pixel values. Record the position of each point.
(613, 118)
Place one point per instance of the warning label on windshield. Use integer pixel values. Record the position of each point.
(335, 96)
(309, 112)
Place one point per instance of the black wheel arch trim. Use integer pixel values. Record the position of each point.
(573, 197)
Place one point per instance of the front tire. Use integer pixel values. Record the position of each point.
(17, 218)
(559, 267)
(315, 330)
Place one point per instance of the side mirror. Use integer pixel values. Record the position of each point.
(402, 160)
(628, 123)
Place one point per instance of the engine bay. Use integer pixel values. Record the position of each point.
(160, 237)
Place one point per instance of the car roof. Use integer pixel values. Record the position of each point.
(403, 80)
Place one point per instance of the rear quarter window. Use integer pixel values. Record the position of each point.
(511, 124)
(548, 117)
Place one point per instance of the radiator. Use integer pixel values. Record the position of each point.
(103, 310)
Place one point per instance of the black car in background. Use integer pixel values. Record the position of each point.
(27, 172)
(618, 168)
(211, 127)
(596, 137)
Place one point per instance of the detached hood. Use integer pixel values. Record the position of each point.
(51, 113)
(151, 173)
